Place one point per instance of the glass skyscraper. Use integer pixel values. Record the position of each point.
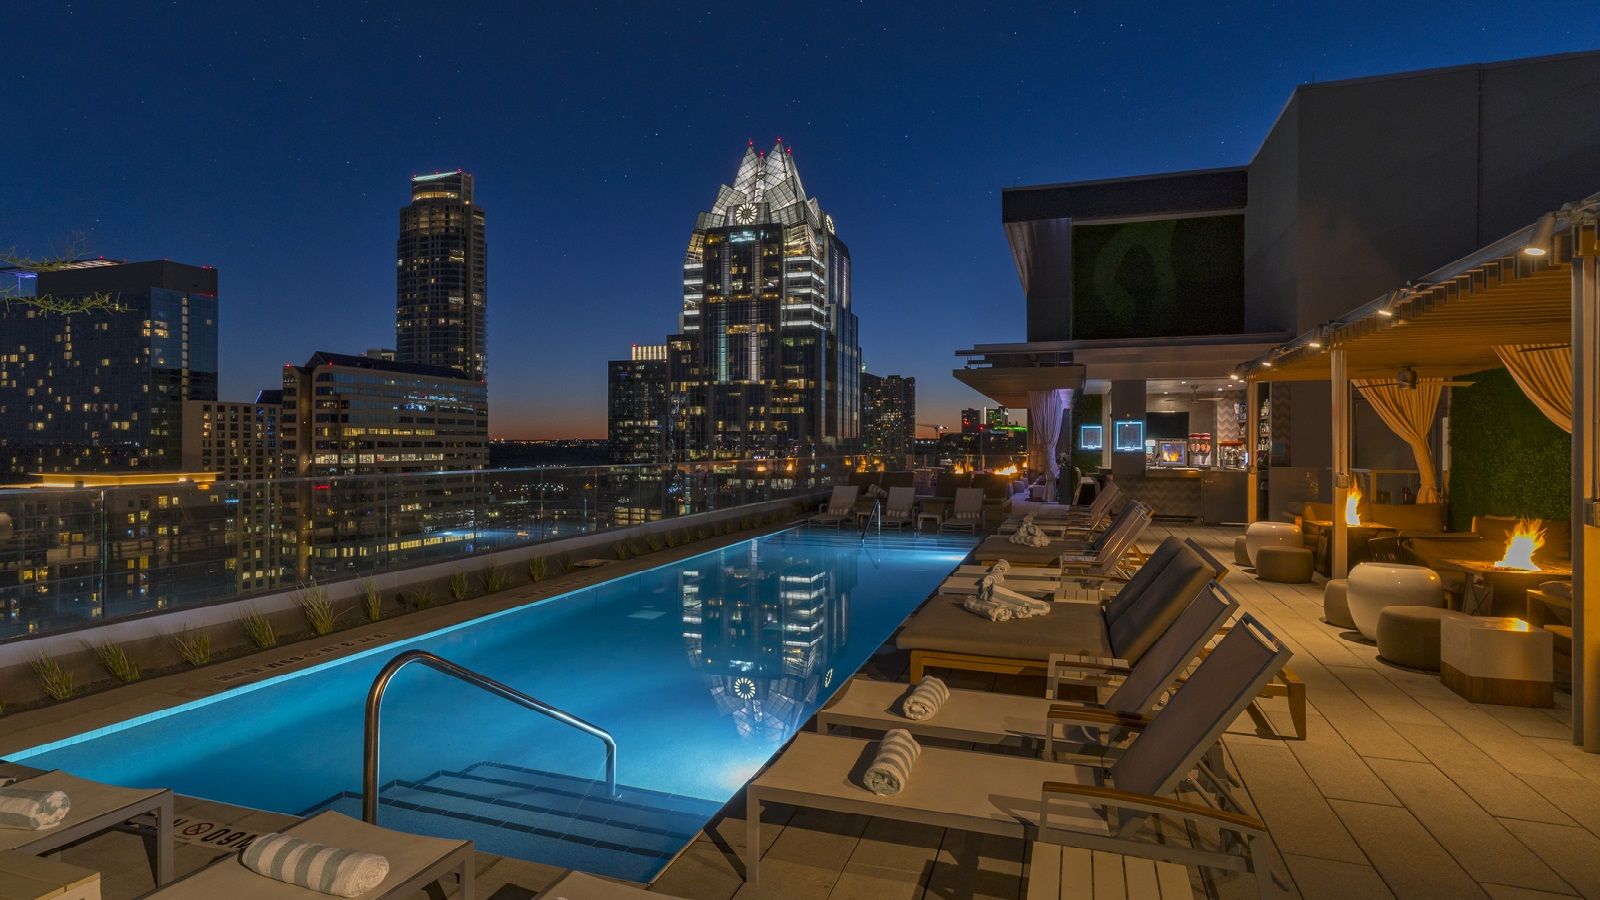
(441, 277)
(103, 389)
(767, 359)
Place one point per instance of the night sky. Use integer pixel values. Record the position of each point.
(275, 142)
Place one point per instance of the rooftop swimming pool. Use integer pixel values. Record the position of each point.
(701, 669)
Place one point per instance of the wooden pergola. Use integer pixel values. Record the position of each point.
(1447, 324)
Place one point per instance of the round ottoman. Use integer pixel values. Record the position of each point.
(1373, 586)
(1241, 553)
(1285, 565)
(1265, 534)
(1336, 605)
(1409, 635)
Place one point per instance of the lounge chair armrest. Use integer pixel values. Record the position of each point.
(1077, 714)
(1102, 665)
(1110, 798)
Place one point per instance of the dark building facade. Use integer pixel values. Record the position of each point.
(367, 440)
(767, 361)
(103, 389)
(442, 277)
(637, 406)
(888, 414)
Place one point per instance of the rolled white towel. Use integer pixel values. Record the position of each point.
(1000, 567)
(987, 584)
(924, 700)
(992, 610)
(330, 870)
(32, 810)
(1026, 606)
(891, 767)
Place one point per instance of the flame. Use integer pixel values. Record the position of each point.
(1008, 470)
(1526, 539)
(1352, 506)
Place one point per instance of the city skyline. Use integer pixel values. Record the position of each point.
(605, 144)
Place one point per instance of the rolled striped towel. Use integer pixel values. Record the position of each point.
(992, 610)
(891, 768)
(330, 870)
(1000, 567)
(1026, 606)
(32, 810)
(987, 584)
(925, 699)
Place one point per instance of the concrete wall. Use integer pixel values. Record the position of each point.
(1271, 226)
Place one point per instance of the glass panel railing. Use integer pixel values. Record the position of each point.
(72, 556)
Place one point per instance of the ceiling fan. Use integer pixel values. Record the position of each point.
(1407, 378)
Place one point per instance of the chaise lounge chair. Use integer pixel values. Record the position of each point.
(840, 508)
(1110, 544)
(95, 808)
(1088, 806)
(415, 862)
(966, 513)
(944, 634)
(900, 509)
(986, 718)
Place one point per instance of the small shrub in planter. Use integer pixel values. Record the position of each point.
(656, 544)
(371, 600)
(318, 609)
(460, 589)
(495, 580)
(115, 660)
(260, 630)
(422, 597)
(538, 569)
(55, 681)
(193, 646)
(620, 548)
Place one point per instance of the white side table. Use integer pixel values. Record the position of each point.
(25, 877)
(1497, 660)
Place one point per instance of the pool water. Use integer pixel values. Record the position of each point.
(701, 669)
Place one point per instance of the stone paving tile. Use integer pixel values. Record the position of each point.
(1573, 852)
(1409, 860)
(1327, 879)
(808, 856)
(1577, 797)
(1477, 841)
(1300, 821)
(1336, 770)
(892, 860)
(1508, 892)
(1493, 787)
(980, 866)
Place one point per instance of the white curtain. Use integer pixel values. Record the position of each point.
(1409, 414)
(1544, 372)
(1045, 412)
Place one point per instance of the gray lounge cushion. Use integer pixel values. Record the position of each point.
(1133, 631)
(941, 624)
(1141, 580)
(1002, 548)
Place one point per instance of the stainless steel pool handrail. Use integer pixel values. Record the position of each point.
(372, 737)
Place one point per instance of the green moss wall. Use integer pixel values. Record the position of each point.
(1506, 458)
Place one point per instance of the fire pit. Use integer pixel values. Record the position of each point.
(1501, 587)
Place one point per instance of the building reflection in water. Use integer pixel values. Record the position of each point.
(764, 637)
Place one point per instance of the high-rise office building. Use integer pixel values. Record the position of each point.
(767, 360)
(996, 417)
(238, 442)
(888, 414)
(369, 438)
(103, 389)
(972, 421)
(442, 277)
(637, 407)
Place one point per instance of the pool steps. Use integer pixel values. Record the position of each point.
(542, 816)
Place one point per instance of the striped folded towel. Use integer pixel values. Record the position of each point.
(330, 870)
(1026, 606)
(32, 810)
(891, 768)
(1000, 567)
(925, 699)
(992, 610)
(987, 584)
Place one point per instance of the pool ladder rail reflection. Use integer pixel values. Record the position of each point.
(380, 685)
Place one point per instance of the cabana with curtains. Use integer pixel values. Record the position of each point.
(1529, 302)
